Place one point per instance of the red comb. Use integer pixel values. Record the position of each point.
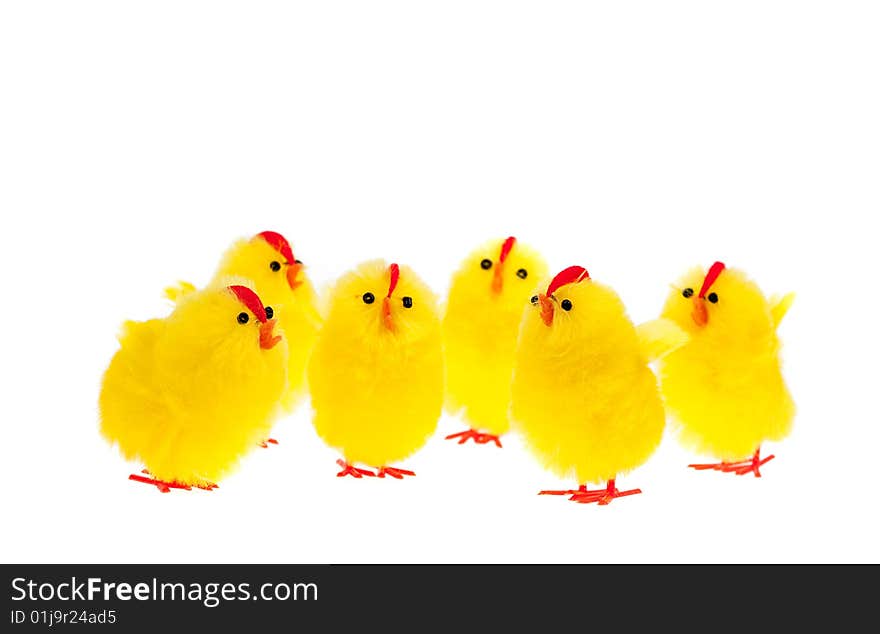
(711, 276)
(568, 276)
(279, 243)
(505, 248)
(251, 301)
(394, 270)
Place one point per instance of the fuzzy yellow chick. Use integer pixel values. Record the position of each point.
(190, 394)
(480, 328)
(280, 280)
(583, 396)
(376, 374)
(725, 387)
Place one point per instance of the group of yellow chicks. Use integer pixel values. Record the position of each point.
(188, 395)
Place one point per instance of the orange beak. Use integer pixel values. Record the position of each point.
(267, 337)
(547, 309)
(386, 315)
(293, 270)
(497, 280)
(699, 313)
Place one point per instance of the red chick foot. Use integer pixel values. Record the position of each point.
(394, 472)
(264, 443)
(353, 471)
(601, 496)
(477, 437)
(739, 468)
(165, 487)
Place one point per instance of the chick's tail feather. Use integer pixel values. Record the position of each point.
(660, 337)
(180, 290)
(779, 305)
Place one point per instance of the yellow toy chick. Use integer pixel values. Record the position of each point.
(480, 328)
(583, 396)
(376, 374)
(280, 280)
(725, 387)
(190, 394)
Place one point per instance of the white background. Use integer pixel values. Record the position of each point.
(137, 140)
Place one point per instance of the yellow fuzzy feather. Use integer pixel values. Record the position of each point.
(725, 386)
(480, 328)
(779, 305)
(296, 309)
(583, 396)
(377, 393)
(179, 291)
(190, 394)
(659, 337)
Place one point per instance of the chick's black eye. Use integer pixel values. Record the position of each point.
(269, 312)
(243, 318)
(712, 297)
(407, 302)
(275, 266)
(522, 274)
(688, 292)
(566, 304)
(486, 264)
(369, 298)
(534, 299)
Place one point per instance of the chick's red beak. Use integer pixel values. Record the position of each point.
(547, 309)
(268, 338)
(498, 279)
(293, 270)
(699, 313)
(387, 319)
